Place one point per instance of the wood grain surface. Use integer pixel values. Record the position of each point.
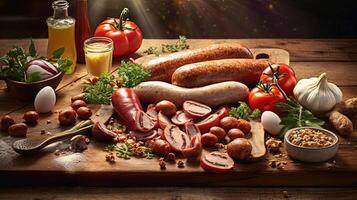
(307, 57)
(176, 193)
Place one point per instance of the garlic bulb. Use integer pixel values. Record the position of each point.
(316, 94)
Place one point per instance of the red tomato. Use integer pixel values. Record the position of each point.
(126, 35)
(265, 97)
(285, 74)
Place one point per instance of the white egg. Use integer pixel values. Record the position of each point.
(271, 122)
(45, 100)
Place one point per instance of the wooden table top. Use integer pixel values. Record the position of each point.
(308, 57)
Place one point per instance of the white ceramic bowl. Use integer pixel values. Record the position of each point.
(309, 154)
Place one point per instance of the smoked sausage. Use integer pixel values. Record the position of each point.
(212, 95)
(163, 67)
(247, 71)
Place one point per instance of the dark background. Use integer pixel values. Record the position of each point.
(198, 18)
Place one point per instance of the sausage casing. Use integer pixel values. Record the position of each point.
(164, 66)
(246, 71)
(212, 95)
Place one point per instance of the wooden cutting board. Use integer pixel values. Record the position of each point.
(90, 168)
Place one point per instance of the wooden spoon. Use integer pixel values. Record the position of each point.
(33, 144)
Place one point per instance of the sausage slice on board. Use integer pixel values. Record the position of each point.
(246, 71)
(163, 67)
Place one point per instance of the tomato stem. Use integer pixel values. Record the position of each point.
(123, 17)
(275, 76)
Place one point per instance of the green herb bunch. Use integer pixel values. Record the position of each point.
(244, 112)
(130, 74)
(101, 91)
(180, 44)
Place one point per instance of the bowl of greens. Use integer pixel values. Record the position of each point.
(26, 73)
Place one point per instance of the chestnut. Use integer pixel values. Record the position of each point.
(235, 133)
(67, 117)
(84, 113)
(78, 97)
(31, 117)
(18, 130)
(77, 104)
(6, 122)
(218, 131)
(228, 123)
(209, 139)
(166, 107)
(239, 149)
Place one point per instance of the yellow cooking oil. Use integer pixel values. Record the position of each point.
(61, 32)
(62, 36)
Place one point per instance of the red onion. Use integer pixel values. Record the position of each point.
(45, 69)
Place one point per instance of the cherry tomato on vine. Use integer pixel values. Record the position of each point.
(265, 97)
(126, 35)
(285, 75)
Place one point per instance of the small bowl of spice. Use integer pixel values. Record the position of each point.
(311, 144)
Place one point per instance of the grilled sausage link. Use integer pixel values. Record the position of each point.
(246, 71)
(163, 67)
(212, 95)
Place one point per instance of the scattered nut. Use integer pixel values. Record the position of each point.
(110, 158)
(278, 162)
(180, 164)
(162, 164)
(120, 138)
(48, 121)
(171, 157)
(273, 145)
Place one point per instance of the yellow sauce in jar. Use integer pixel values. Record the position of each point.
(98, 55)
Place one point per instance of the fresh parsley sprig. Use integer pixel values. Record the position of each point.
(101, 91)
(152, 50)
(131, 74)
(180, 44)
(244, 112)
(14, 65)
